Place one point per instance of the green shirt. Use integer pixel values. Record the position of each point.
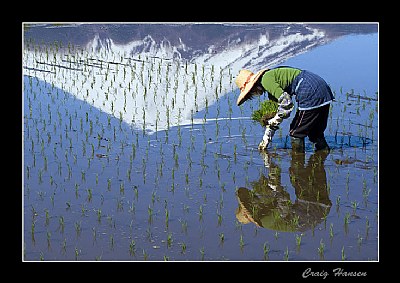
(275, 81)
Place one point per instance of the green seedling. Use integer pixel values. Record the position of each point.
(77, 253)
(331, 231)
(266, 249)
(321, 249)
(78, 228)
(47, 219)
(64, 246)
(166, 218)
(343, 254)
(286, 256)
(200, 212)
(183, 248)
(367, 226)
(219, 219)
(202, 253)
(169, 240)
(62, 223)
(359, 240)
(354, 205)
(112, 241)
(266, 111)
(298, 240)
(132, 247)
(241, 242)
(221, 237)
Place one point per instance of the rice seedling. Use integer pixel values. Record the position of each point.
(202, 253)
(337, 203)
(112, 241)
(98, 214)
(241, 242)
(132, 248)
(64, 246)
(267, 110)
(150, 214)
(183, 248)
(321, 249)
(77, 253)
(89, 194)
(343, 254)
(200, 213)
(354, 205)
(286, 254)
(47, 217)
(298, 240)
(33, 230)
(360, 240)
(347, 221)
(266, 249)
(166, 218)
(367, 227)
(221, 238)
(120, 205)
(61, 224)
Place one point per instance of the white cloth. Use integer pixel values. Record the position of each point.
(285, 107)
(268, 134)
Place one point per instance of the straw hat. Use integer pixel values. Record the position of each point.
(244, 216)
(270, 214)
(245, 81)
(242, 213)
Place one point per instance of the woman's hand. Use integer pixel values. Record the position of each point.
(267, 138)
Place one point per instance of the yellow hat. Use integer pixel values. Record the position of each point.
(243, 215)
(245, 81)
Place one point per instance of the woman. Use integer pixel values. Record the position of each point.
(312, 94)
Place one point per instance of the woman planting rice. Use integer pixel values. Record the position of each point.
(312, 94)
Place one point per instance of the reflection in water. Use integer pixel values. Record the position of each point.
(156, 76)
(268, 204)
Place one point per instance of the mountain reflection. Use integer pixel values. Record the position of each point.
(157, 76)
(268, 204)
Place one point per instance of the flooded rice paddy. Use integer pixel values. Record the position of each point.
(130, 158)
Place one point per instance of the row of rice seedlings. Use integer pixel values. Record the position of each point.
(83, 172)
(360, 120)
(90, 130)
(114, 82)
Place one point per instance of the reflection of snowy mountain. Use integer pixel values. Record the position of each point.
(237, 51)
(157, 75)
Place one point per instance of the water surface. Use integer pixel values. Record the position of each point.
(97, 187)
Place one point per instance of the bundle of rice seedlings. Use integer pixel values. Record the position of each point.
(266, 111)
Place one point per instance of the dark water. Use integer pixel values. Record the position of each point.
(97, 188)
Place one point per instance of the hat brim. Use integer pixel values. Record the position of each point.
(244, 93)
(242, 212)
(266, 217)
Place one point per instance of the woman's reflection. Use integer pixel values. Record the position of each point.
(268, 204)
